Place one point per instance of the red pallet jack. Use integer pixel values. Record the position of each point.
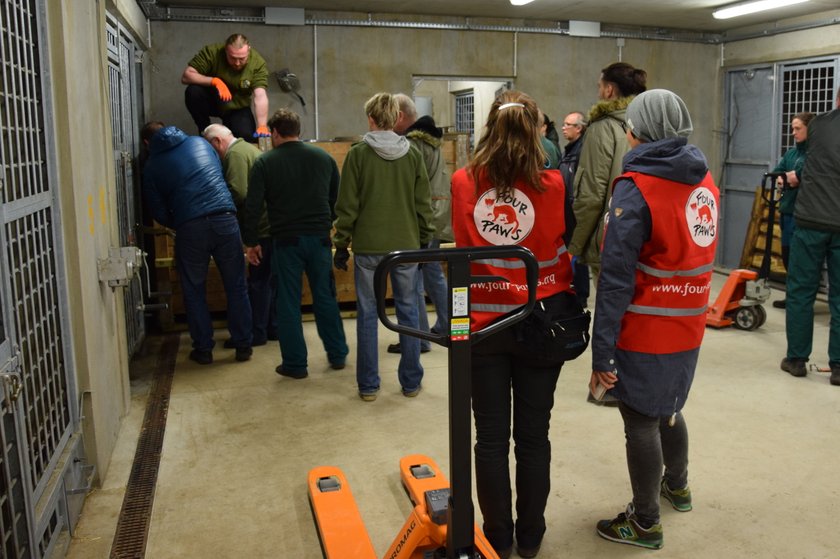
(442, 524)
(740, 301)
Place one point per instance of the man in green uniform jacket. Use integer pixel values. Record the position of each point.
(224, 80)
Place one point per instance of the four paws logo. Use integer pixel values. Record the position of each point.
(701, 215)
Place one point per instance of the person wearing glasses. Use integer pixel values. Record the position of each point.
(574, 127)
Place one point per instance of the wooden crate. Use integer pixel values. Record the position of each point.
(455, 149)
(173, 318)
(756, 239)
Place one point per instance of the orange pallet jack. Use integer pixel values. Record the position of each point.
(442, 524)
(740, 301)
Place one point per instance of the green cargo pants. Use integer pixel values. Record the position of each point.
(809, 249)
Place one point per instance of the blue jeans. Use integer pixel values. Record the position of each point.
(651, 444)
(433, 282)
(293, 257)
(404, 285)
(502, 374)
(195, 242)
(262, 290)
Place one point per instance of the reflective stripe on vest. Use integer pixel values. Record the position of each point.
(517, 264)
(657, 273)
(489, 307)
(662, 311)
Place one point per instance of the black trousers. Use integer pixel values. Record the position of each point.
(203, 102)
(507, 385)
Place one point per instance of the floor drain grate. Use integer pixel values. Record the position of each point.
(133, 524)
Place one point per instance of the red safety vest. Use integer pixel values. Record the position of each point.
(524, 217)
(674, 272)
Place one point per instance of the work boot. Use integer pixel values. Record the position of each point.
(796, 367)
(780, 304)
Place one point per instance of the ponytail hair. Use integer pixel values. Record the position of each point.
(628, 80)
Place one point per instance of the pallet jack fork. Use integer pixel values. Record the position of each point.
(739, 302)
(442, 524)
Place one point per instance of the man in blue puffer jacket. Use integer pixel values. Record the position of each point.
(185, 189)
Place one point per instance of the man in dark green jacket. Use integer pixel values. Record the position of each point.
(298, 184)
(791, 164)
(816, 239)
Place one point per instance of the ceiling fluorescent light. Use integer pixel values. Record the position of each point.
(520, 2)
(744, 8)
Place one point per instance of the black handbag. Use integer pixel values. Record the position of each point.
(557, 329)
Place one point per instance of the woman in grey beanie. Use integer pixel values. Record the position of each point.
(656, 267)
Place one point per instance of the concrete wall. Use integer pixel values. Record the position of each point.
(85, 191)
(806, 43)
(560, 72)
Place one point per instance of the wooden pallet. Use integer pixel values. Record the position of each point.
(756, 239)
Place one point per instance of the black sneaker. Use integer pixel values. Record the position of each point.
(283, 371)
(201, 356)
(527, 552)
(796, 367)
(835, 374)
(395, 348)
(780, 304)
(243, 353)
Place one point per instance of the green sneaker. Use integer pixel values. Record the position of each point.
(625, 528)
(679, 499)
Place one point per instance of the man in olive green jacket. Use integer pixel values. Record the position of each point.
(599, 165)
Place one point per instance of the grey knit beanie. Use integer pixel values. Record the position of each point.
(657, 114)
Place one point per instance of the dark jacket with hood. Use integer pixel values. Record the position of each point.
(428, 138)
(183, 179)
(655, 385)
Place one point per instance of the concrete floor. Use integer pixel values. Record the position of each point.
(240, 440)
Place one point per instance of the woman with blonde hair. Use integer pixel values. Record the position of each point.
(506, 196)
(384, 204)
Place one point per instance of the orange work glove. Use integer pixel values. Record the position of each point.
(222, 88)
(262, 132)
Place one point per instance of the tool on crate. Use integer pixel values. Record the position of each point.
(442, 524)
(739, 302)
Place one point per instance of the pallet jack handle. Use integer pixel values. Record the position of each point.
(771, 195)
(460, 534)
(458, 261)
